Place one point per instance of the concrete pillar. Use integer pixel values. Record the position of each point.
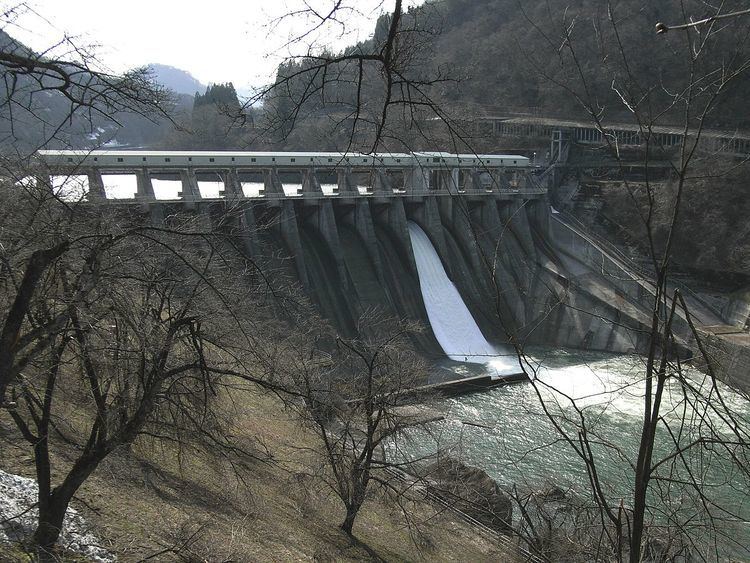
(310, 184)
(145, 187)
(382, 184)
(96, 185)
(326, 224)
(267, 182)
(369, 188)
(336, 190)
(456, 186)
(249, 230)
(232, 186)
(539, 213)
(274, 188)
(364, 225)
(453, 212)
(416, 180)
(156, 214)
(519, 222)
(344, 181)
(393, 218)
(470, 180)
(505, 256)
(444, 181)
(190, 191)
(290, 234)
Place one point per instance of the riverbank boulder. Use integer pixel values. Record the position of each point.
(471, 491)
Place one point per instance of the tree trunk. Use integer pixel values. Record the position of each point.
(348, 524)
(52, 507)
(51, 516)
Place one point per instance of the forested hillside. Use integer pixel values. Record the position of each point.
(460, 59)
(466, 58)
(509, 53)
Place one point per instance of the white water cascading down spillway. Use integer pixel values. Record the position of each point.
(455, 329)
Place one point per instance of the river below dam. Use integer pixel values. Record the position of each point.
(505, 432)
(515, 432)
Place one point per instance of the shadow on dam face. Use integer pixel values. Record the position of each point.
(548, 279)
(544, 281)
(325, 285)
(344, 294)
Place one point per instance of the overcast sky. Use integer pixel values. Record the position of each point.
(215, 40)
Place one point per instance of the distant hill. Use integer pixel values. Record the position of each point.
(176, 79)
(42, 117)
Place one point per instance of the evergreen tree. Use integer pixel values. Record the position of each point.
(219, 95)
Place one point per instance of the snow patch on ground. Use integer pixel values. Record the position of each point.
(18, 520)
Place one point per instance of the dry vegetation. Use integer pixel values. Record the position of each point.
(152, 501)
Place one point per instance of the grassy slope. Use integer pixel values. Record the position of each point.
(142, 502)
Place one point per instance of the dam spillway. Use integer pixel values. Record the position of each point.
(452, 323)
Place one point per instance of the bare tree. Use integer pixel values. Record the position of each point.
(719, 15)
(113, 327)
(132, 333)
(353, 394)
(43, 95)
(362, 96)
(670, 448)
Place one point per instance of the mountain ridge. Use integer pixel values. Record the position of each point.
(176, 79)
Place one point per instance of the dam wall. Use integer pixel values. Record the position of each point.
(524, 275)
(337, 226)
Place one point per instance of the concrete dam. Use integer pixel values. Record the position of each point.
(468, 245)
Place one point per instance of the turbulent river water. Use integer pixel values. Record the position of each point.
(506, 432)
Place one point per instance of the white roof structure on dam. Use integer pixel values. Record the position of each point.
(198, 175)
(223, 159)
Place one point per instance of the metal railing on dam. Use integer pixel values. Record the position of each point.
(138, 176)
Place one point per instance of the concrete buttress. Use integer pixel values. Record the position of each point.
(363, 224)
(232, 185)
(289, 231)
(502, 256)
(393, 217)
(190, 192)
(145, 189)
(325, 220)
(427, 215)
(249, 230)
